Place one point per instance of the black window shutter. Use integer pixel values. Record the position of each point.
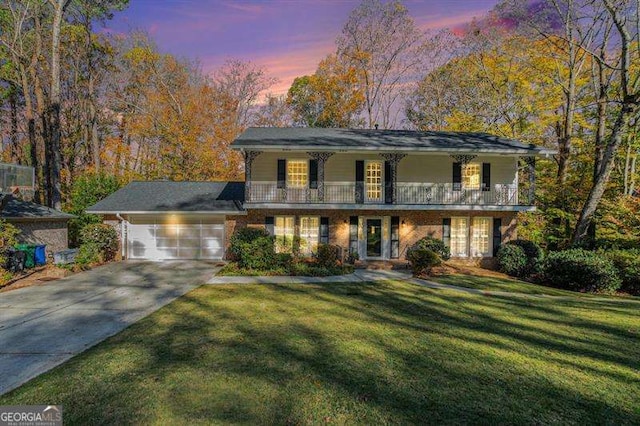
(359, 181)
(486, 176)
(395, 237)
(457, 176)
(388, 184)
(269, 225)
(324, 230)
(497, 234)
(446, 231)
(313, 174)
(353, 234)
(282, 173)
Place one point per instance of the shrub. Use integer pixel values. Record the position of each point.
(627, 263)
(88, 254)
(284, 260)
(352, 257)
(88, 189)
(327, 255)
(104, 236)
(511, 259)
(422, 260)
(8, 238)
(534, 256)
(433, 244)
(581, 270)
(253, 248)
(313, 270)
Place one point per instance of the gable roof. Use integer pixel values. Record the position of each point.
(323, 139)
(175, 197)
(20, 210)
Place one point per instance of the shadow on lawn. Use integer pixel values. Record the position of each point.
(352, 352)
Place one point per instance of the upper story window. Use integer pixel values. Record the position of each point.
(373, 180)
(471, 177)
(297, 173)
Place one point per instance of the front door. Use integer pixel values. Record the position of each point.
(374, 238)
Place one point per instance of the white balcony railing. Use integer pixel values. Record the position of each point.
(406, 193)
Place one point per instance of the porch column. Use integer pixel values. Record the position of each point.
(393, 160)
(249, 156)
(321, 157)
(531, 166)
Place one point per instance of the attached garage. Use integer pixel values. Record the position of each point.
(175, 237)
(164, 220)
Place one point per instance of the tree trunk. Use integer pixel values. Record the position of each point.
(600, 183)
(53, 157)
(13, 132)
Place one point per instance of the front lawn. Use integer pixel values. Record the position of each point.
(366, 353)
(495, 282)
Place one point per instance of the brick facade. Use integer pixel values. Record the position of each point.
(54, 234)
(413, 224)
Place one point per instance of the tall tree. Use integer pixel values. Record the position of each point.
(332, 97)
(385, 46)
(243, 82)
(53, 157)
(626, 98)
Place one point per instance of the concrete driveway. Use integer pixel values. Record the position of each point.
(43, 326)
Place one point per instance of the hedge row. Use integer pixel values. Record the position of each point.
(603, 271)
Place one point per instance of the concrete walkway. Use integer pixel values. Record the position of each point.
(43, 326)
(359, 275)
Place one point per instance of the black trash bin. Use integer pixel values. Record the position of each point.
(14, 260)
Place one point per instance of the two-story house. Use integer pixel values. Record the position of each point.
(371, 192)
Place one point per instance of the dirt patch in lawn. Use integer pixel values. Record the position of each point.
(37, 276)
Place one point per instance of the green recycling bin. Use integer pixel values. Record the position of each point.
(30, 253)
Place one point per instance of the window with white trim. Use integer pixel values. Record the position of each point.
(373, 180)
(297, 173)
(481, 236)
(471, 177)
(284, 232)
(459, 236)
(309, 234)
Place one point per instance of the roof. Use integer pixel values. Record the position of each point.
(323, 139)
(16, 209)
(176, 197)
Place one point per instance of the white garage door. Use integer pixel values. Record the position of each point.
(157, 241)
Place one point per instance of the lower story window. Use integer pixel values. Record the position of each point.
(284, 232)
(459, 236)
(309, 234)
(470, 237)
(481, 236)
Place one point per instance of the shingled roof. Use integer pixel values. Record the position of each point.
(14, 209)
(177, 197)
(321, 139)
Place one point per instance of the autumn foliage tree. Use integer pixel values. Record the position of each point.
(332, 97)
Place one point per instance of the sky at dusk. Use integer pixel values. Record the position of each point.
(287, 37)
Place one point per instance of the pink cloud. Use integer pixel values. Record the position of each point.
(438, 22)
(245, 7)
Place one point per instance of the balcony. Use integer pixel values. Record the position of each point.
(406, 194)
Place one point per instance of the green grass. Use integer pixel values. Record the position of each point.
(510, 285)
(365, 353)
